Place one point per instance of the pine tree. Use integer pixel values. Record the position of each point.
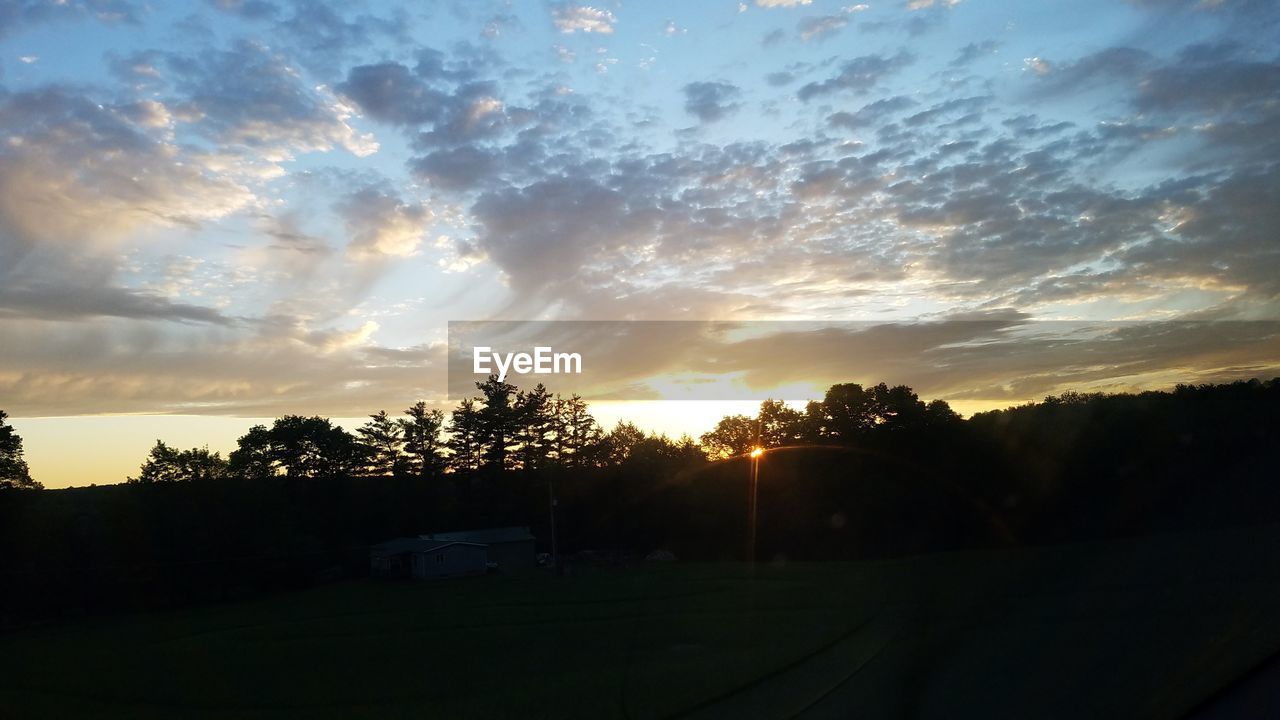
(534, 425)
(382, 439)
(497, 423)
(422, 442)
(464, 443)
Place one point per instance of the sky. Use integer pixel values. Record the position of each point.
(215, 213)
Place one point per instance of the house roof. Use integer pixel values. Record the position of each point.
(400, 546)
(440, 546)
(397, 546)
(487, 536)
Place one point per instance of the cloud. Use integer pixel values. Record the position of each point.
(950, 107)
(1037, 65)
(20, 298)
(247, 9)
(820, 28)
(924, 4)
(15, 14)
(77, 178)
(973, 51)
(989, 357)
(391, 93)
(1122, 182)
(1111, 64)
(1206, 81)
(115, 366)
(250, 96)
(977, 210)
(711, 101)
(549, 230)
(76, 171)
(443, 105)
(380, 224)
(1214, 88)
(858, 75)
(456, 168)
(782, 3)
(872, 113)
(322, 37)
(780, 78)
(501, 23)
(569, 18)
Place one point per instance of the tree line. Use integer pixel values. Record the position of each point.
(505, 428)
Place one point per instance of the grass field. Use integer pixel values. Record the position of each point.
(1137, 628)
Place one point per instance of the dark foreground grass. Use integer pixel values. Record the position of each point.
(1138, 628)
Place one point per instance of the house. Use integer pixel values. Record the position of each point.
(450, 559)
(391, 558)
(512, 549)
(453, 554)
(422, 558)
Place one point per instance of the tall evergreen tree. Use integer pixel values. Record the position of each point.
(382, 439)
(534, 423)
(498, 422)
(466, 449)
(579, 439)
(422, 442)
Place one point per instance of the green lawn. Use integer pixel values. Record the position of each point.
(1138, 628)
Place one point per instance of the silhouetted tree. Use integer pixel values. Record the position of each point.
(498, 422)
(661, 456)
(465, 445)
(579, 439)
(253, 456)
(939, 413)
(299, 447)
(13, 466)
(422, 442)
(382, 439)
(846, 411)
(733, 435)
(780, 425)
(622, 441)
(849, 411)
(534, 426)
(169, 464)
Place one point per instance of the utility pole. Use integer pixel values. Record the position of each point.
(754, 490)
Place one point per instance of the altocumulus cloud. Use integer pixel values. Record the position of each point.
(570, 18)
(711, 101)
(273, 213)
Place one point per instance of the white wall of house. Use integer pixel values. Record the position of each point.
(450, 561)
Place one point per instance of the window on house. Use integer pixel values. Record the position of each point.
(439, 558)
